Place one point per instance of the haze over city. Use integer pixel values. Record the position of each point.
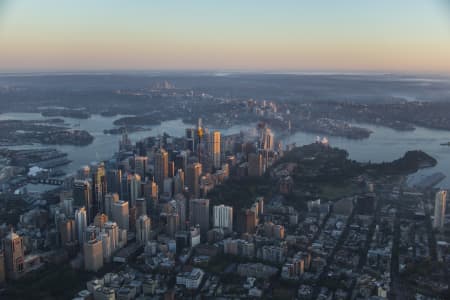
(350, 36)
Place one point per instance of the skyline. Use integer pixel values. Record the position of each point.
(261, 36)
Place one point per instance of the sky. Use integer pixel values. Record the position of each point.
(234, 35)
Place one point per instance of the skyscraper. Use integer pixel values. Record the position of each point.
(80, 224)
(140, 165)
(143, 227)
(193, 174)
(173, 224)
(82, 195)
(93, 255)
(14, 256)
(134, 188)
(113, 231)
(199, 214)
(99, 189)
(439, 209)
(110, 199)
(114, 181)
(120, 214)
(141, 207)
(267, 140)
(161, 165)
(223, 216)
(178, 182)
(215, 149)
(255, 164)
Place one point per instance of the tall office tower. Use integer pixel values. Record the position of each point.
(143, 227)
(223, 217)
(439, 209)
(168, 187)
(93, 255)
(178, 182)
(181, 207)
(110, 199)
(120, 214)
(171, 169)
(99, 188)
(106, 246)
(112, 230)
(67, 206)
(193, 174)
(140, 165)
(181, 160)
(255, 164)
(2, 268)
(190, 139)
(134, 188)
(141, 207)
(199, 214)
(260, 201)
(161, 164)
(68, 231)
(100, 220)
(82, 196)
(14, 256)
(267, 140)
(114, 181)
(215, 149)
(173, 224)
(80, 223)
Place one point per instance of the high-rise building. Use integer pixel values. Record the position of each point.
(134, 188)
(67, 206)
(199, 214)
(100, 219)
(68, 231)
(190, 139)
(14, 256)
(439, 209)
(193, 174)
(255, 164)
(112, 230)
(2, 268)
(113, 181)
(110, 199)
(106, 246)
(223, 217)
(80, 223)
(168, 187)
(178, 182)
(143, 227)
(161, 166)
(82, 195)
(246, 221)
(121, 215)
(93, 255)
(140, 165)
(141, 207)
(173, 224)
(215, 149)
(267, 140)
(99, 189)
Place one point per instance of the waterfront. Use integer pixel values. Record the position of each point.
(384, 144)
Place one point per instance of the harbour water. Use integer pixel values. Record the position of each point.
(384, 144)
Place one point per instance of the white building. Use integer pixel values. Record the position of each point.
(191, 280)
(223, 216)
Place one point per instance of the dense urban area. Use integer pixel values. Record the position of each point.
(215, 216)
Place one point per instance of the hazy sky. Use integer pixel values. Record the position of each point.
(315, 35)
